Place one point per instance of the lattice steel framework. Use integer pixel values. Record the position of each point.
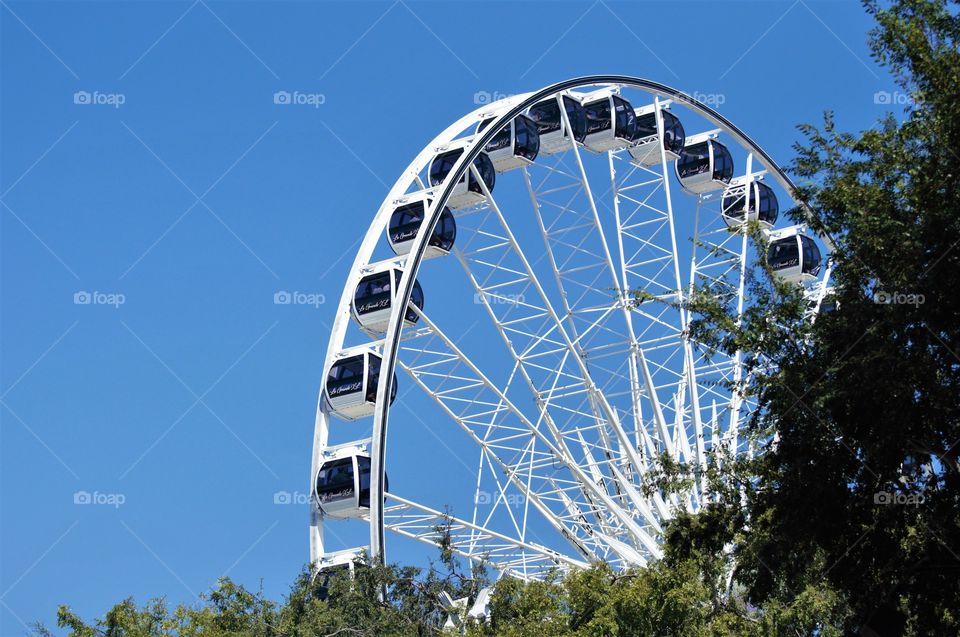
(584, 279)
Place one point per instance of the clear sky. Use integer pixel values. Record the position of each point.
(145, 165)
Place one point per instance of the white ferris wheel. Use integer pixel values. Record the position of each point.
(577, 219)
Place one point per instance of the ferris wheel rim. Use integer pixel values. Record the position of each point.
(411, 262)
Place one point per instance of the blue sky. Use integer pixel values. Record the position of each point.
(144, 159)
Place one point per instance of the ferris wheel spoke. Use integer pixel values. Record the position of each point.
(580, 258)
(574, 240)
(649, 267)
(504, 433)
(576, 235)
(718, 263)
(503, 493)
(473, 541)
(552, 368)
(590, 305)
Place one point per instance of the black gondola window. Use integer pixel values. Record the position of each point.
(373, 293)
(647, 125)
(598, 116)
(673, 133)
(373, 380)
(500, 141)
(577, 118)
(446, 231)
(346, 376)
(527, 138)
(783, 254)
(416, 297)
(335, 480)
(811, 256)
(733, 205)
(486, 171)
(768, 208)
(546, 115)
(626, 118)
(722, 163)
(406, 220)
(326, 577)
(694, 160)
(443, 164)
(363, 467)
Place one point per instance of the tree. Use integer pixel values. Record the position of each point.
(858, 491)
(376, 601)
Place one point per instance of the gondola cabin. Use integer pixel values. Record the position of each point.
(468, 191)
(825, 303)
(793, 256)
(611, 122)
(325, 577)
(460, 611)
(352, 381)
(830, 303)
(517, 144)
(342, 488)
(405, 222)
(704, 165)
(551, 127)
(646, 149)
(373, 299)
(331, 567)
(751, 201)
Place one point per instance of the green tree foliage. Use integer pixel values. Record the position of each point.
(858, 490)
(659, 600)
(227, 610)
(662, 599)
(376, 601)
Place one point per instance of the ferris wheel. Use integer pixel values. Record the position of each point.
(564, 228)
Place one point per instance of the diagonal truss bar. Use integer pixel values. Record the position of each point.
(526, 560)
(544, 472)
(572, 406)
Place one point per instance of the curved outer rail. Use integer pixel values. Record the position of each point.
(518, 104)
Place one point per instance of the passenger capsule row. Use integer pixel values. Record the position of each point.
(600, 122)
(341, 487)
